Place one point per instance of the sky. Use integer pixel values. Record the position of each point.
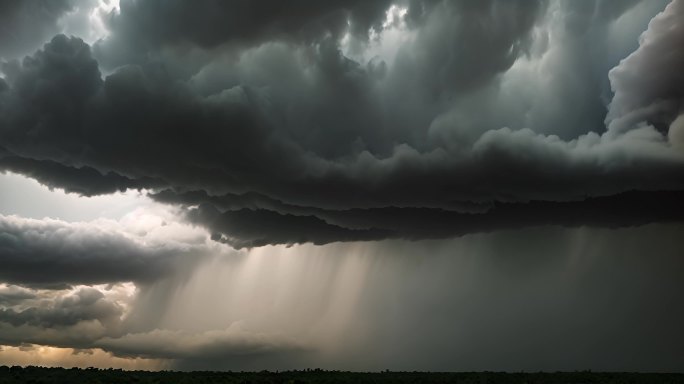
(359, 185)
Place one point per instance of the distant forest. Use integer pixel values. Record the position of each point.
(37, 375)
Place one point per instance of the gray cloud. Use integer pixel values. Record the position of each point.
(253, 227)
(562, 64)
(85, 181)
(142, 27)
(26, 24)
(266, 122)
(66, 319)
(39, 252)
(85, 304)
(443, 63)
(648, 84)
(321, 132)
(10, 295)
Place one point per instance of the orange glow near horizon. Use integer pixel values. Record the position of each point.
(46, 356)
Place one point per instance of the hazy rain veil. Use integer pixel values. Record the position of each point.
(466, 303)
(364, 185)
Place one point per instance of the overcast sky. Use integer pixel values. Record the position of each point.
(344, 184)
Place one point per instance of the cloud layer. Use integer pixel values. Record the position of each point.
(323, 132)
(46, 252)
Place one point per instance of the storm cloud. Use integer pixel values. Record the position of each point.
(138, 28)
(26, 25)
(307, 178)
(648, 87)
(323, 132)
(70, 318)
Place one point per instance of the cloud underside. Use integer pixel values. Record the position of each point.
(267, 132)
(279, 224)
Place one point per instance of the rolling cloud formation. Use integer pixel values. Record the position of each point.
(272, 116)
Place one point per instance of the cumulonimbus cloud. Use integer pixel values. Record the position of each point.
(328, 143)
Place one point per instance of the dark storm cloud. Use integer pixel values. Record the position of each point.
(60, 108)
(144, 26)
(477, 40)
(35, 252)
(273, 122)
(252, 221)
(327, 143)
(253, 228)
(210, 23)
(561, 65)
(85, 181)
(26, 24)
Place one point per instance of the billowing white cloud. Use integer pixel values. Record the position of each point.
(648, 85)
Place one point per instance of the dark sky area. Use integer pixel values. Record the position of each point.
(345, 184)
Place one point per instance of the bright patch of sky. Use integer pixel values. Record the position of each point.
(25, 197)
(88, 19)
(382, 45)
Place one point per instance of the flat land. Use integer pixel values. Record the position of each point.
(91, 375)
